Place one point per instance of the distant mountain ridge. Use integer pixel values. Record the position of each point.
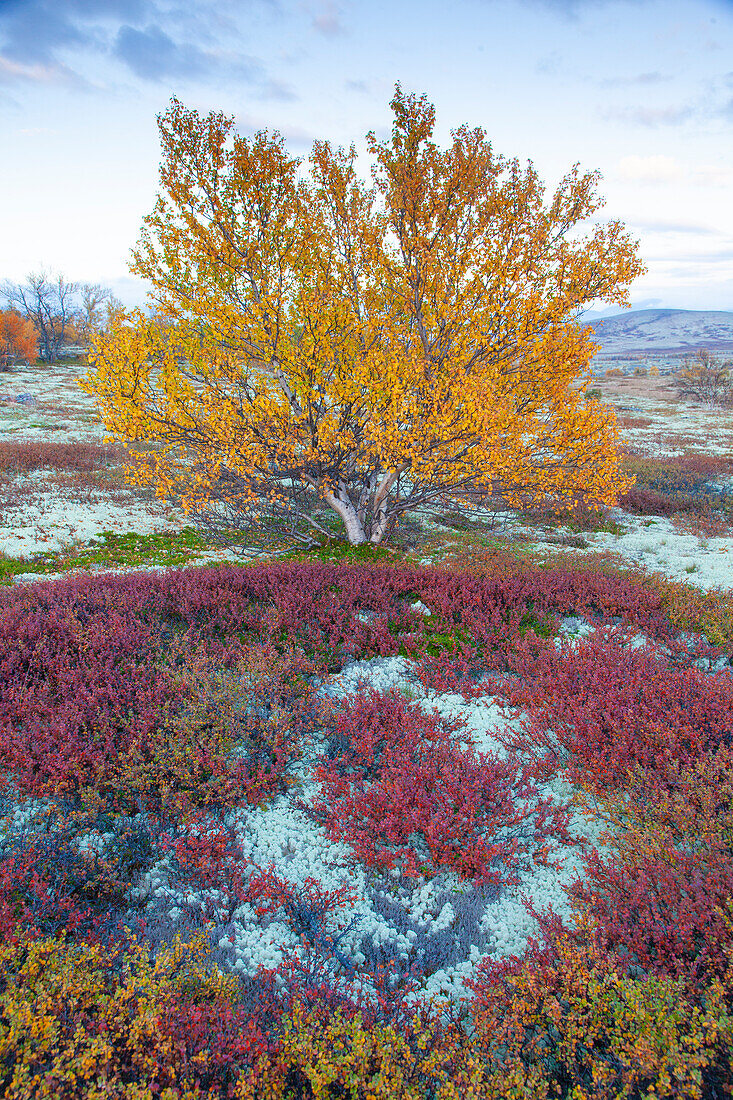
(657, 331)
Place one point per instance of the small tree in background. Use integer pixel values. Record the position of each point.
(61, 312)
(365, 350)
(97, 306)
(47, 301)
(705, 378)
(18, 340)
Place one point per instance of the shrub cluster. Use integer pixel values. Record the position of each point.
(669, 486)
(392, 773)
(136, 712)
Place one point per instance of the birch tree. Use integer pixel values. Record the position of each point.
(322, 344)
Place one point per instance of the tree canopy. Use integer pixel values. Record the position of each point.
(322, 342)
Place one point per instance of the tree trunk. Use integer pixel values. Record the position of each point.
(380, 517)
(344, 508)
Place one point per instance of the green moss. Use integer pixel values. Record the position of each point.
(342, 550)
(542, 627)
(128, 549)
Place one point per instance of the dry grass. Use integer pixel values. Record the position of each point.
(659, 443)
(703, 524)
(634, 421)
(84, 473)
(659, 389)
(25, 457)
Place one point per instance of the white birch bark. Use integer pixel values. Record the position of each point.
(344, 508)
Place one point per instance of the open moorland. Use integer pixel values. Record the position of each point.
(448, 819)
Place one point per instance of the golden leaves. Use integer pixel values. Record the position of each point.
(332, 330)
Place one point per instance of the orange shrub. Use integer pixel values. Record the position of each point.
(18, 340)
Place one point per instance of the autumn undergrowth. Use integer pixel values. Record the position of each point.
(138, 712)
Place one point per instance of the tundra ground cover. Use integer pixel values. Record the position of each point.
(53, 519)
(171, 787)
(230, 867)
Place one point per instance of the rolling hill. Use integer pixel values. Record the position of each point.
(657, 331)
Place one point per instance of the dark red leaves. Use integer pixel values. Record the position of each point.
(403, 793)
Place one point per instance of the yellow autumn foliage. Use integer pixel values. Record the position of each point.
(70, 1027)
(316, 341)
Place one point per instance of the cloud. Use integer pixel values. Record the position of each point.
(651, 117)
(718, 255)
(153, 39)
(550, 65)
(276, 89)
(639, 80)
(35, 131)
(34, 30)
(675, 227)
(131, 291)
(297, 138)
(714, 175)
(151, 54)
(652, 169)
(37, 74)
(571, 9)
(658, 169)
(328, 21)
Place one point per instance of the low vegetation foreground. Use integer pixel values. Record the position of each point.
(431, 799)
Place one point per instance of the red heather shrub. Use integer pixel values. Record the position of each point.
(46, 888)
(215, 1042)
(577, 589)
(650, 502)
(696, 809)
(310, 603)
(69, 687)
(393, 779)
(661, 890)
(207, 855)
(511, 615)
(314, 603)
(223, 746)
(603, 709)
(304, 908)
(308, 977)
(663, 909)
(99, 697)
(472, 672)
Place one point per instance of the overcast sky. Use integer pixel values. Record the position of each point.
(640, 89)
